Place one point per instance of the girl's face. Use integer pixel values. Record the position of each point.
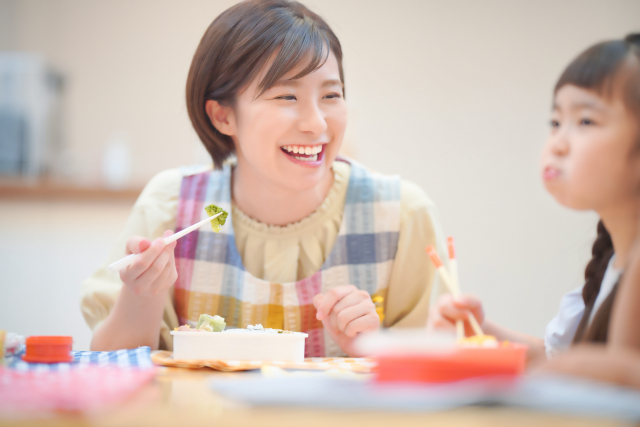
(590, 161)
(291, 134)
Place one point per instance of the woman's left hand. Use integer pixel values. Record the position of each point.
(346, 311)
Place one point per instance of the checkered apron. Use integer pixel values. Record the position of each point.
(213, 280)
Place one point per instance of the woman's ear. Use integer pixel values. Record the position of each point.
(222, 117)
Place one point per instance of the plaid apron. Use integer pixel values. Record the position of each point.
(213, 280)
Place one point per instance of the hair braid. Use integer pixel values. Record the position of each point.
(601, 252)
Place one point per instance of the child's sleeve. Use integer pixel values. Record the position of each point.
(153, 213)
(413, 283)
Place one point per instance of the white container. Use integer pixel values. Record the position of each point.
(241, 346)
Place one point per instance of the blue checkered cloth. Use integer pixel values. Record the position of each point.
(135, 358)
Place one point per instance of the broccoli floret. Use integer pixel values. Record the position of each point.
(218, 222)
(211, 323)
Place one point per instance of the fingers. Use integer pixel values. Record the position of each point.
(165, 280)
(331, 298)
(154, 269)
(468, 302)
(448, 310)
(437, 322)
(459, 308)
(136, 245)
(352, 299)
(143, 261)
(317, 300)
(347, 315)
(452, 313)
(171, 245)
(369, 322)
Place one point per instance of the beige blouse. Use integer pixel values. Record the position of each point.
(284, 254)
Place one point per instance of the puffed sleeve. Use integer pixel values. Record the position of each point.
(560, 331)
(152, 214)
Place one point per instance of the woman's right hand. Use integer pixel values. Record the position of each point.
(443, 315)
(154, 270)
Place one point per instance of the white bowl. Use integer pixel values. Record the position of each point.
(243, 346)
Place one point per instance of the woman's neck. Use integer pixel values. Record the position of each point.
(622, 224)
(270, 203)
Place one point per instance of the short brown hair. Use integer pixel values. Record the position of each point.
(236, 47)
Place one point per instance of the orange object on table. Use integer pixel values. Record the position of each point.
(461, 363)
(48, 349)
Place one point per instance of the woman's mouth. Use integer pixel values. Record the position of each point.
(550, 173)
(306, 155)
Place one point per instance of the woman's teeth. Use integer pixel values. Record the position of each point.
(306, 150)
(303, 149)
(313, 158)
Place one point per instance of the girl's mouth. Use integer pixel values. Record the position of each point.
(550, 173)
(305, 155)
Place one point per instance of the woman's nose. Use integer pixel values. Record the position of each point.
(312, 119)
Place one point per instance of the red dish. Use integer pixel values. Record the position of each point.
(48, 349)
(460, 364)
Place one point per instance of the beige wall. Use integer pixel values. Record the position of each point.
(453, 95)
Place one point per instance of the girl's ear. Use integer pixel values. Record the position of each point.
(222, 117)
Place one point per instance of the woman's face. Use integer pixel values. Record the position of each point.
(589, 161)
(290, 135)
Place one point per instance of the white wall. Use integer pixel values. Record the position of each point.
(43, 262)
(452, 95)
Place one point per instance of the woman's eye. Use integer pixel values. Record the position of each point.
(333, 96)
(586, 122)
(287, 97)
(554, 123)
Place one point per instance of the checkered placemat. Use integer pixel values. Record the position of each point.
(363, 365)
(133, 358)
(87, 388)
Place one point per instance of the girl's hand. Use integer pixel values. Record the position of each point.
(443, 315)
(597, 362)
(154, 271)
(345, 311)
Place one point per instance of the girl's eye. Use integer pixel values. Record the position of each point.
(554, 123)
(586, 122)
(287, 97)
(333, 95)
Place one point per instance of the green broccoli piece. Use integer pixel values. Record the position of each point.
(211, 323)
(218, 222)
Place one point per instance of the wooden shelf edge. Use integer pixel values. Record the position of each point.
(51, 191)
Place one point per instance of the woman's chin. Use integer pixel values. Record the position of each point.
(305, 179)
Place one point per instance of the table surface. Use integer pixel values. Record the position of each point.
(181, 397)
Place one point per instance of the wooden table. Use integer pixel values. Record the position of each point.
(181, 397)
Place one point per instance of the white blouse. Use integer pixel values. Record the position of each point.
(561, 330)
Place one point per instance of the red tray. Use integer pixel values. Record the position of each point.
(462, 363)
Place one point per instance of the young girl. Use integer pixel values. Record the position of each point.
(591, 161)
(619, 361)
(310, 238)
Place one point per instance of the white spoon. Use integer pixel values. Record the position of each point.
(120, 264)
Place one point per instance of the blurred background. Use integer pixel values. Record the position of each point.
(454, 96)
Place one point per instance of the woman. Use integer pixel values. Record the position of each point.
(311, 238)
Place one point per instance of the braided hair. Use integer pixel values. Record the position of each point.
(600, 69)
(601, 254)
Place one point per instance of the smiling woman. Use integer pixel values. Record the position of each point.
(311, 237)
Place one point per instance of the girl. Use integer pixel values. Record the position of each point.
(619, 361)
(591, 161)
(310, 238)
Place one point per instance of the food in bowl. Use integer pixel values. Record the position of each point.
(211, 340)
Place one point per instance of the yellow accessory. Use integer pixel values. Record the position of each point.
(378, 301)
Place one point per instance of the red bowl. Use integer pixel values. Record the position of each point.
(48, 349)
(462, 363)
